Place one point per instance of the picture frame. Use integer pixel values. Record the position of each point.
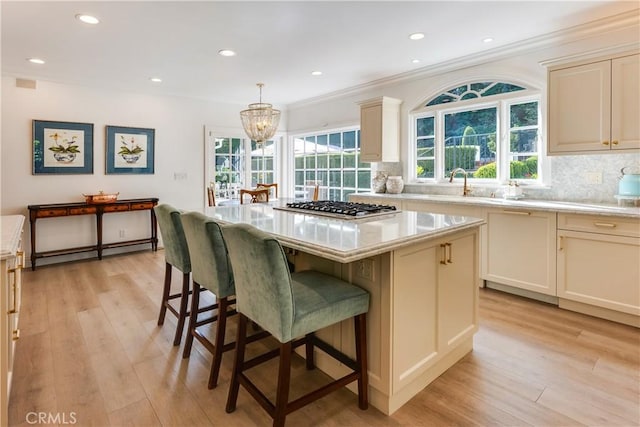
(62, 147)
(129, 150)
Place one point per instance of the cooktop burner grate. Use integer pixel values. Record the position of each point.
(340, 209)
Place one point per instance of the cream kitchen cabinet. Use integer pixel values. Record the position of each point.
(11, 264)
(519, 248)
(598, 266)
(435, 305)
(380, 129)
(594, 107)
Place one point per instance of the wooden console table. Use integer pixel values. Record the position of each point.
(97, 209)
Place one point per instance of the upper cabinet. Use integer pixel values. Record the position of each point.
(380, 130)
(594, 107)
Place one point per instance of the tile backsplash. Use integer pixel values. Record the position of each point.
(569, 179)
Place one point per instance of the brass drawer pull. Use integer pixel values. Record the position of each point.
(20, 256)
(16, 334)
(605, 224)
(614, 142)
(523, 213)
(605, 142)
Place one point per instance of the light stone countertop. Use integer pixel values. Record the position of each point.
(11, 233)
(533, 204)
(343, 240)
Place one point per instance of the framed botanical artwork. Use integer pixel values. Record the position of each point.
(130, 150)
(62, 147)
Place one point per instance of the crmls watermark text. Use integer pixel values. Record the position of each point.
(51, 418)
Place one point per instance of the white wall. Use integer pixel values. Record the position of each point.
(179, 148)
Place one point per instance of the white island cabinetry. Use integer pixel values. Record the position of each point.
(421, 271)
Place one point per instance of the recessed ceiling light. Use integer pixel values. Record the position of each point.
(316, 73)
(36, 60)
(226, 52)
(487, 40)
(87, 19)
(416, 36)
(415, 61)
(156, 79)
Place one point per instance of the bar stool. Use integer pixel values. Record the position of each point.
(176, 255)
(290, 306)
(211, 270)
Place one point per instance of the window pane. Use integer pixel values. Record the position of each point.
(349, 179)
(524, 114)
(425, 126)
(349, 140)
(236, 146)
(349, 160)
(299, 160)
(310, 176)
(335, 178)
(310, 161)
(364, 180)
(322, 161)
(299, 178)
(335, 161)
(425, 169)
(470, 140)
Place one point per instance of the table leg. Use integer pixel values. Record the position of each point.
(99, 232)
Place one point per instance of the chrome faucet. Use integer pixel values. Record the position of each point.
(466, 190)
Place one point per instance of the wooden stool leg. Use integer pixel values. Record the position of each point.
(360, 322)
(165, 293)
(184, 299)
(193, 317)
(308, 347)
(223, 303)
(282, 393)
(238, 364)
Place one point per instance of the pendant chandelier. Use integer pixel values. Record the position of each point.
(260, 120)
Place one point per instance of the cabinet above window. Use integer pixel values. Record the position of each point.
(594, 106)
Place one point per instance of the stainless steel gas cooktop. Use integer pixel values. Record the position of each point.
(343, 210)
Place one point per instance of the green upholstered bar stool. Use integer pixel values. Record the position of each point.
(290, 306)
(210, 270)
(176, 254)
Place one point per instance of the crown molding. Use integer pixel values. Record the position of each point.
(567, 35)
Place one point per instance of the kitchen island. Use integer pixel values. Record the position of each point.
(421, 270)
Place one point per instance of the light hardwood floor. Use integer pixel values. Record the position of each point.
(90, 351)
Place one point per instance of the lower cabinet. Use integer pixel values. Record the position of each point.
(11, 264)
(435, 303)
(519, 249)
(599, 266)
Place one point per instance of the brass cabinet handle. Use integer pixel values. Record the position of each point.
(560, 243)
(446, 258)
(523, 213)
(14, 285)
(16, 334)
(605, 142)
(614, 142)
(605, 224)
(20, 256)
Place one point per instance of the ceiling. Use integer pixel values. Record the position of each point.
(278, 43)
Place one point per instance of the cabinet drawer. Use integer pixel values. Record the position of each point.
(116, 208)
(44, 213)
(600, 224)
(83, 210)
(141, 206)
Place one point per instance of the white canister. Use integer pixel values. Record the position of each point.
(379, 182)
(395, 184)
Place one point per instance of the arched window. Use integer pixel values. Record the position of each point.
(491, 129)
